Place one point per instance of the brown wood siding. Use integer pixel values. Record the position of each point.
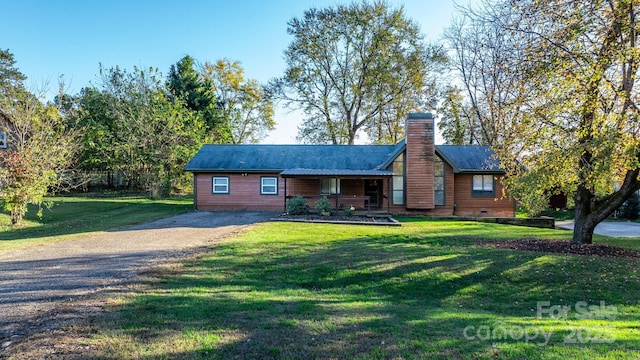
(449, 193)
(469, 205)
(352, 187)
(304, 187)
(244, 193)
(419, 164)
(310, 188)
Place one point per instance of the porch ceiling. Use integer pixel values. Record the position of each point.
(335, 173)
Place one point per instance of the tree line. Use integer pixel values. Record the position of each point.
(549, 85)
(135, 123)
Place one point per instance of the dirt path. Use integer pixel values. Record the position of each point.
(36, 283)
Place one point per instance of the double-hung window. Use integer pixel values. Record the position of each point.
(220, 185)
(330, 187)
(483, 186)
(269, 186)
(3, 140)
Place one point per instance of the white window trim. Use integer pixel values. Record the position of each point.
(213, 184)
(262, 185)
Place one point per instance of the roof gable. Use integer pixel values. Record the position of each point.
(469, 158)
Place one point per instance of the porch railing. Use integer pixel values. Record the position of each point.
(340, 202)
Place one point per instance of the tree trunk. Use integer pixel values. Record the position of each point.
(583, 226)
(16, 217)
(591, 210)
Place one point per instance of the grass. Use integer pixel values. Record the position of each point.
(559, 215)
(76, 215)
(425, 290)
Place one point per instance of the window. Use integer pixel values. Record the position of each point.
(438, 181)
(3, 140)
(330, 187)
(269, 186)
(398, 181)
(482, 185)
(220, 185)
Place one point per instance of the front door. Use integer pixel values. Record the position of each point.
(373, 189)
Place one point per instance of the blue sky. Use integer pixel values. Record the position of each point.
(71, 38)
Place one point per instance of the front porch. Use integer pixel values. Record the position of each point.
(363, 205)
(367, 194)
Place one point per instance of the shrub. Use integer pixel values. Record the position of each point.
(323, 206)
(297, 205)
(350, 210)
(629, 210)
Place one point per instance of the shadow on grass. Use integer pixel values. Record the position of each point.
(366, 298)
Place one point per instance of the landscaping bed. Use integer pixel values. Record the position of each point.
(565, 247)
(340, 219)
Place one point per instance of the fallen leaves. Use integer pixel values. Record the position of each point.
(565, 247)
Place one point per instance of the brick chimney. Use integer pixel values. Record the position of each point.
(419, 161)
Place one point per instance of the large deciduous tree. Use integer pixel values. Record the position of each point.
(356, 69)
(578, 128)
(481, 55)
(242, 103)
(39, 144)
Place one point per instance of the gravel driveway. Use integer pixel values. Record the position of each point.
(36, 282)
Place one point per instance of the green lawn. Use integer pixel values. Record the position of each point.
(76, 215)
(425, 290)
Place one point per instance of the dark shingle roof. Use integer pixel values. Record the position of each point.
(281, 157)
(335, 172)
(469, 158)
(331, 160)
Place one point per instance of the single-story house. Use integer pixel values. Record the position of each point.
(413, 176)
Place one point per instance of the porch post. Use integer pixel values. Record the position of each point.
(285, 194)
(389, 195)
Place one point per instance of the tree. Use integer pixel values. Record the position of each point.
(40, 147)
(99, 146)
(353, 69)
(457, 124)
(481, 56)
(242, 103)
(39, 143)
(578, 129)
(185, 84)
(10, 82)
(133, 127)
